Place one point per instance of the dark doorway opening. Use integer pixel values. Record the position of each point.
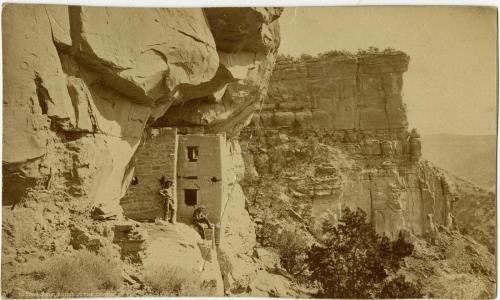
(190, 197)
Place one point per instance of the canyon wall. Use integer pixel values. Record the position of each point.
(339, 93)
(334, 131)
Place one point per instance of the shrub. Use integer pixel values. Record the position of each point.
(399, 288)
(283, 57)
(353, 260)
(82, 274)
(305, 57)
(291, 246)
(334, 53)
(166, 280)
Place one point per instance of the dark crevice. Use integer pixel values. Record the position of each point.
(195, 38)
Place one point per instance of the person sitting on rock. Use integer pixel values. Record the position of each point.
(200, 218)
(168, 200)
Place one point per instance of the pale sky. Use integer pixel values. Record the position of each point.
(451, 83)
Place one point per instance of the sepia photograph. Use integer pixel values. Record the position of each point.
(294, 152)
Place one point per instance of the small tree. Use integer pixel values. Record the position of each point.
(399, 288)
(305, 57)
(291, 245)
(353, 260)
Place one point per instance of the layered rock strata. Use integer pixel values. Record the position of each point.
(336, 128)
(339, 93)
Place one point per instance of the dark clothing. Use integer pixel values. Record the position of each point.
(200, 218)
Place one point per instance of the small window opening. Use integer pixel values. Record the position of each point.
(192, 153)
(190, 197)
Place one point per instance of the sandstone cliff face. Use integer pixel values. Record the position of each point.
(340, 92)
(246, 269)
(82, 83)
(334, 131)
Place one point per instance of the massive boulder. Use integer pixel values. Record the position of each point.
(82, 83)
(247, 41)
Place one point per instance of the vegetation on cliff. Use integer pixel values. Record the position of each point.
(353, 261)
(335, 53)
(288, 173)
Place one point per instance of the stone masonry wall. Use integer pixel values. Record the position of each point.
(157, 157)
(204, 175)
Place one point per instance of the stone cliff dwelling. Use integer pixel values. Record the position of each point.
(193, 162)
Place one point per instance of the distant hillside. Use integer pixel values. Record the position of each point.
(470, 157)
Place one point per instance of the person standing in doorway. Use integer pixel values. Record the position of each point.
(167, 195)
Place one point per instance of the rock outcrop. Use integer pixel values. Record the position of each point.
(82, 83)
(344, 92)
(334, 131)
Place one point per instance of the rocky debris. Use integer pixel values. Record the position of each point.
(451, 266)
(81, 238)
(393, 187)
(132, 277)
(131, 238)
(474, 213)
(394, 190)
(98, 213)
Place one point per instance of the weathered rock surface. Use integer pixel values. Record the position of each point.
(247, 41)
(474, 213)
(343, 92)
(242, 272)
(180, 246)
(395, 191)
(82, 83)
(451, 265)
(334, 131)
(332, 134)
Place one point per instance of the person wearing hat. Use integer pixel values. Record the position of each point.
(167, 195)
(200, 217)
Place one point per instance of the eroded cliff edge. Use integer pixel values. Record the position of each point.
(334, 133)
(353, 105)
